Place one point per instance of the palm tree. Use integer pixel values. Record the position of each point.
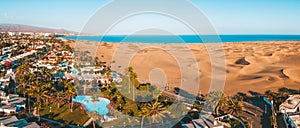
(128, 71)
(47, 91)
(95, 116)
(59, 97)
(30, 93)
(216, 100)
(143, 113)
(283, 92)
(234, 107)
(156, 110)
(96, 61)
(38, 105)
(95, 98)
(22, 74)
(133, 81)
(48, 74)
(108, 73)
(270, 95)
(198, 106)
(70, 92)
(38, 93)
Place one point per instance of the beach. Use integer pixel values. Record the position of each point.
(249, 66)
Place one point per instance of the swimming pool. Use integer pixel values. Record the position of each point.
(99, 106)
(74, 70)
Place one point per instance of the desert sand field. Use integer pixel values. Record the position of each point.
(255, 66)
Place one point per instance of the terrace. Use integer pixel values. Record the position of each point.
(291, 105)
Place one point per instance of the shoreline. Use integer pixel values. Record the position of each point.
(269, 62)
(186, 39)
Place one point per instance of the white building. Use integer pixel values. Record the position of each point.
(205, 121)
(11, 33)
(291, 121)
(14, 122)
(291, 105)
(11, 103)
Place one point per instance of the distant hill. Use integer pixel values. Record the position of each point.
(27, 28)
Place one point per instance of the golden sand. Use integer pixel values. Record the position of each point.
(255, 66)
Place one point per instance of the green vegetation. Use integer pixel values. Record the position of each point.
(44, 93)
(278, 98)
(63, 114)
(139, 101)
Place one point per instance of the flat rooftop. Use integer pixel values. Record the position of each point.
(295, 119)
(292, 102)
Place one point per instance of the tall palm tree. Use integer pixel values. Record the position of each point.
(216, 100)
(143, 113)
(95, 98)
(198, 106)
(22, 75)
(70, 92)
(156, 110)
(270, 95)
(38, 105)
(30, 94)
(48, 90)
(59, 97)
(128, 71)
(283, 92)
(234, 107)
(95, 116)
(38, 94)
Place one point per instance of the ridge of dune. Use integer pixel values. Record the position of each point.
(293, 73)
(255, 66)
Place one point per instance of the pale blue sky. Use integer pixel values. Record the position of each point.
(227, 16)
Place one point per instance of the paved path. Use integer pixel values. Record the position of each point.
(87, 123)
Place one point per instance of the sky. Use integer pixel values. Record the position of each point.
(227, 16)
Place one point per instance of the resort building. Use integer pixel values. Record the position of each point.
(207, 121)
(11, 103)
(292, 121)
(291, 105)
(4, 82)
(290, 109)
(14, 122)
(53, 57)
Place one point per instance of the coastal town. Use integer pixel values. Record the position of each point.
(45, 84)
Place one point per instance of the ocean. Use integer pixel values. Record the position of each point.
(186, 38)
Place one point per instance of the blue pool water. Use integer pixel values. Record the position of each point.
(115, 75)
(74, 70)
(5, 58)
(186, 38)
(99, 106)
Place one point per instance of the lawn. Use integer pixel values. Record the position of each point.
(64, 115)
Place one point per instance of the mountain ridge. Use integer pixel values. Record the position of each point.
(28, 28)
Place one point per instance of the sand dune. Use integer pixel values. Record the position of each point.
(256, 66)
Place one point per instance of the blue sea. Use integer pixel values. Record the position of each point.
(186, 38)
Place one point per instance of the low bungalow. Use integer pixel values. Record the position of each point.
(205, 121)
(11, 103)
(14, 122)
(291, 105)
(291, 121)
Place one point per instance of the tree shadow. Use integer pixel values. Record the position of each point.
(184, 93)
